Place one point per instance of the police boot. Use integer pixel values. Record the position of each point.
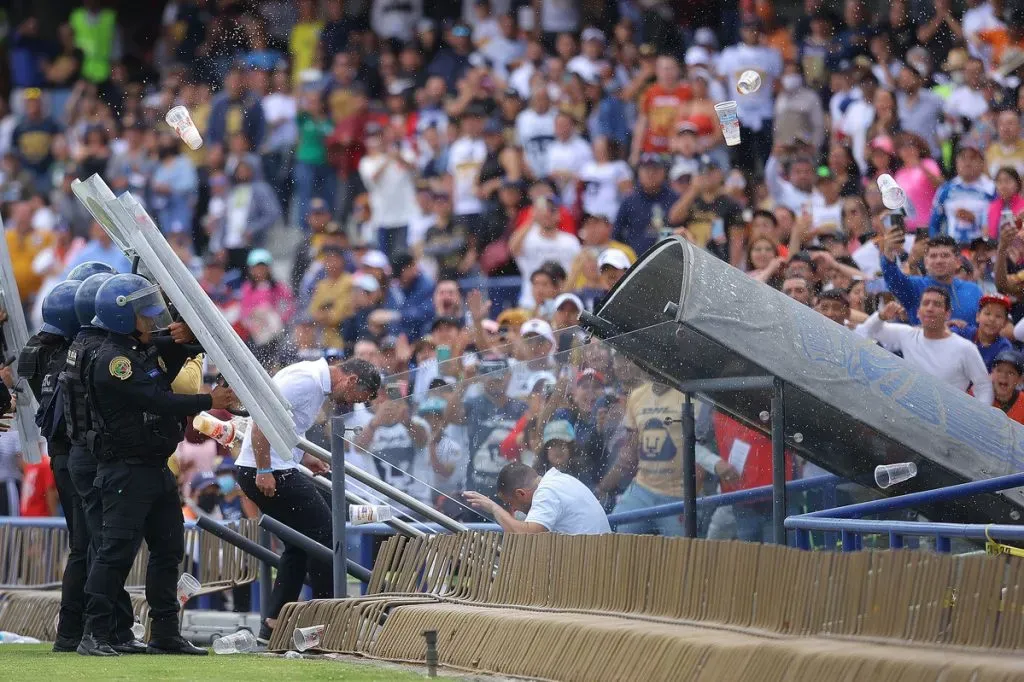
(89, 646)
(65, 645)
(132, 646)
(174, 645)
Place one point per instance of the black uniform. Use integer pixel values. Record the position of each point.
(79, 423)
(40, 363)
(140, 424)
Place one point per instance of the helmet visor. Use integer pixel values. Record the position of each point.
(150, 309)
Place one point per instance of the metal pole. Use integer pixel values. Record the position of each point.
(310, 546)
(338, 508)
(385, 489)
(238, 540)
(266, 581)
(779, 464)
(689, 469)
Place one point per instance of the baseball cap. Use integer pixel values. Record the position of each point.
(559, 429)
(705, 37)
(613, 258)
(537, 327)
(513, 317)
(592, 34)
(1010, 357)
(568, 298)
(202, 480)
(652, 159)
(433, 405)
(687, 126)
(366, 282)
(697, 55)
(460, 31)
(994, 298)
(425, 25)
(590, 373)
(448, 320)
(259, 257)
(377, 260)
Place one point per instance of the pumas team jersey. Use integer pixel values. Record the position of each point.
(660, 445)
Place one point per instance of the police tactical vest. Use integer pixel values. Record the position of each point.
(126, 431)
(39, 363)
(78, 418)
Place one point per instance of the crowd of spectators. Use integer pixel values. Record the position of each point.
(429, 156)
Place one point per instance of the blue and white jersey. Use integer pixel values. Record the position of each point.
(960, 209)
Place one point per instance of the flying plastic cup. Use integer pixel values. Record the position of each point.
(360, 514)
(890, 474)
(893, 196)
(749, 82)
(179, 119)
(730, 122)
(187, 586)
(307, 638)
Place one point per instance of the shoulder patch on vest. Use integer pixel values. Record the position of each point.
(121, 367)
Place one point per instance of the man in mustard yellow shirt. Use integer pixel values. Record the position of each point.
(1008, 148)
(25, 243)
(331, 303)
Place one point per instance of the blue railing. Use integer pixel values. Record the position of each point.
(846, 521)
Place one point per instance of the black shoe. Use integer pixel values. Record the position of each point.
(65, 645)
(91, 647)
(265, 634)
(174, 645)
(132, 646)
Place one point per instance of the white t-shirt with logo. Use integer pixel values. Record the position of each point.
(561, 247)
(465, 158)
(601, 187)
(562, 504)
(536, 133)
(757, 107)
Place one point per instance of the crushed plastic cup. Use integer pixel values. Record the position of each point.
(893, 196)
(749, 82)
(138, 630)
(241, 642)
(179, 119)
(307, 638)
(293, 655)
(187, 586)
(360, 514)
(729, 121)
(890, 474)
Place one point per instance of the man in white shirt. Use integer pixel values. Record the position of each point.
(270, 478)
(566, 156)
(932, 348)
(387, 172)
(465, 158)
(535, 131)
(795, 193)
(554, 503)
(540, 242)
(969, 100)
(588, 64)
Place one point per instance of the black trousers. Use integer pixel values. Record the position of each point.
(72, 590)
(299, 504)
(82, 468)
(139, 502)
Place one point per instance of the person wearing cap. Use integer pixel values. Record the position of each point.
(367, 297)
(612, 265)
(32, 139)
(567, 309)
(711, 219)
(559, 450)
(534, 353)
(510, 321)
(590, 61)
(488, 415)
(960, 208)
(754, 109)
(388, 174)
(265, 305)
(448, 461)
(1006, 373)
(987, 330)
(596, 235)
(542, 241)
(643, 215)
(452, 61)
(660, 107)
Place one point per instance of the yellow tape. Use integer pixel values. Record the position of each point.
(993, 547)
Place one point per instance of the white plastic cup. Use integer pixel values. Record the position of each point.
(179, 119)
(749, 82)
(890, 474)
(893, 196)
(360, 514)
(138, 630)
(308, 638)
(729, 121)
(187, 586)
(241, 642)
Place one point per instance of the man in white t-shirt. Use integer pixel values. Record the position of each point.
(589, 63)
(932, 348)
(566, 156)
(270, 479)
(540, 242)
(554, 503)
(465, 158)
(387, 172)
(535, 131)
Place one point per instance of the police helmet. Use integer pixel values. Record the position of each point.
(125, 303)
(85, 299)
(87, 269)
(59, 309)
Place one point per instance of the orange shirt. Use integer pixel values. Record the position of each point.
(1016, 411)
(23, 250)
(998, 39)
(37, 483)
(663, 109)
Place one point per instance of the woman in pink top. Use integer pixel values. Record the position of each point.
(919, 176)
(266, 305)
(1007, 197)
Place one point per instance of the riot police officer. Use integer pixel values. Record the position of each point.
(139, 423)
(78, 423)
(39, 363)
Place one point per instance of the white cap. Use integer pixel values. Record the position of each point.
(540, 328)
(592, 34)
(376, 259)
(697, 55)
(705, 37)
(613, 258)
(571, 298)
(366, 282)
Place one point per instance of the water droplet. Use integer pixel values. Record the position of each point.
(765, 416)
(1015, 515)
(798, 437)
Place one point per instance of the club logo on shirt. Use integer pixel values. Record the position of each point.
(656, 443)
(121, 368)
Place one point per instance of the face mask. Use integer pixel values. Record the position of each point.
(791, 81)
(208, 501)
(226, 483)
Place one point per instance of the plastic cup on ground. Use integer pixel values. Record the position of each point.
(360, 514)
(187, 586)
(138, 630)
(293, 655)
(729, 121)
(308, 638)
(893, 196)
(887, 475)
(241, 642)
(749, 82)
(179, 119)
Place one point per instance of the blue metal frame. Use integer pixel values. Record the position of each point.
(846, 520)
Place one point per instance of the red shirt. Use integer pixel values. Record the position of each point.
(37, 482)
(749, 451)
(663, 109)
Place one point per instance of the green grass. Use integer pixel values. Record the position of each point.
(29, 662)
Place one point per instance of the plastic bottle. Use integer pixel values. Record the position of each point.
(224, 432)
(241, 642)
